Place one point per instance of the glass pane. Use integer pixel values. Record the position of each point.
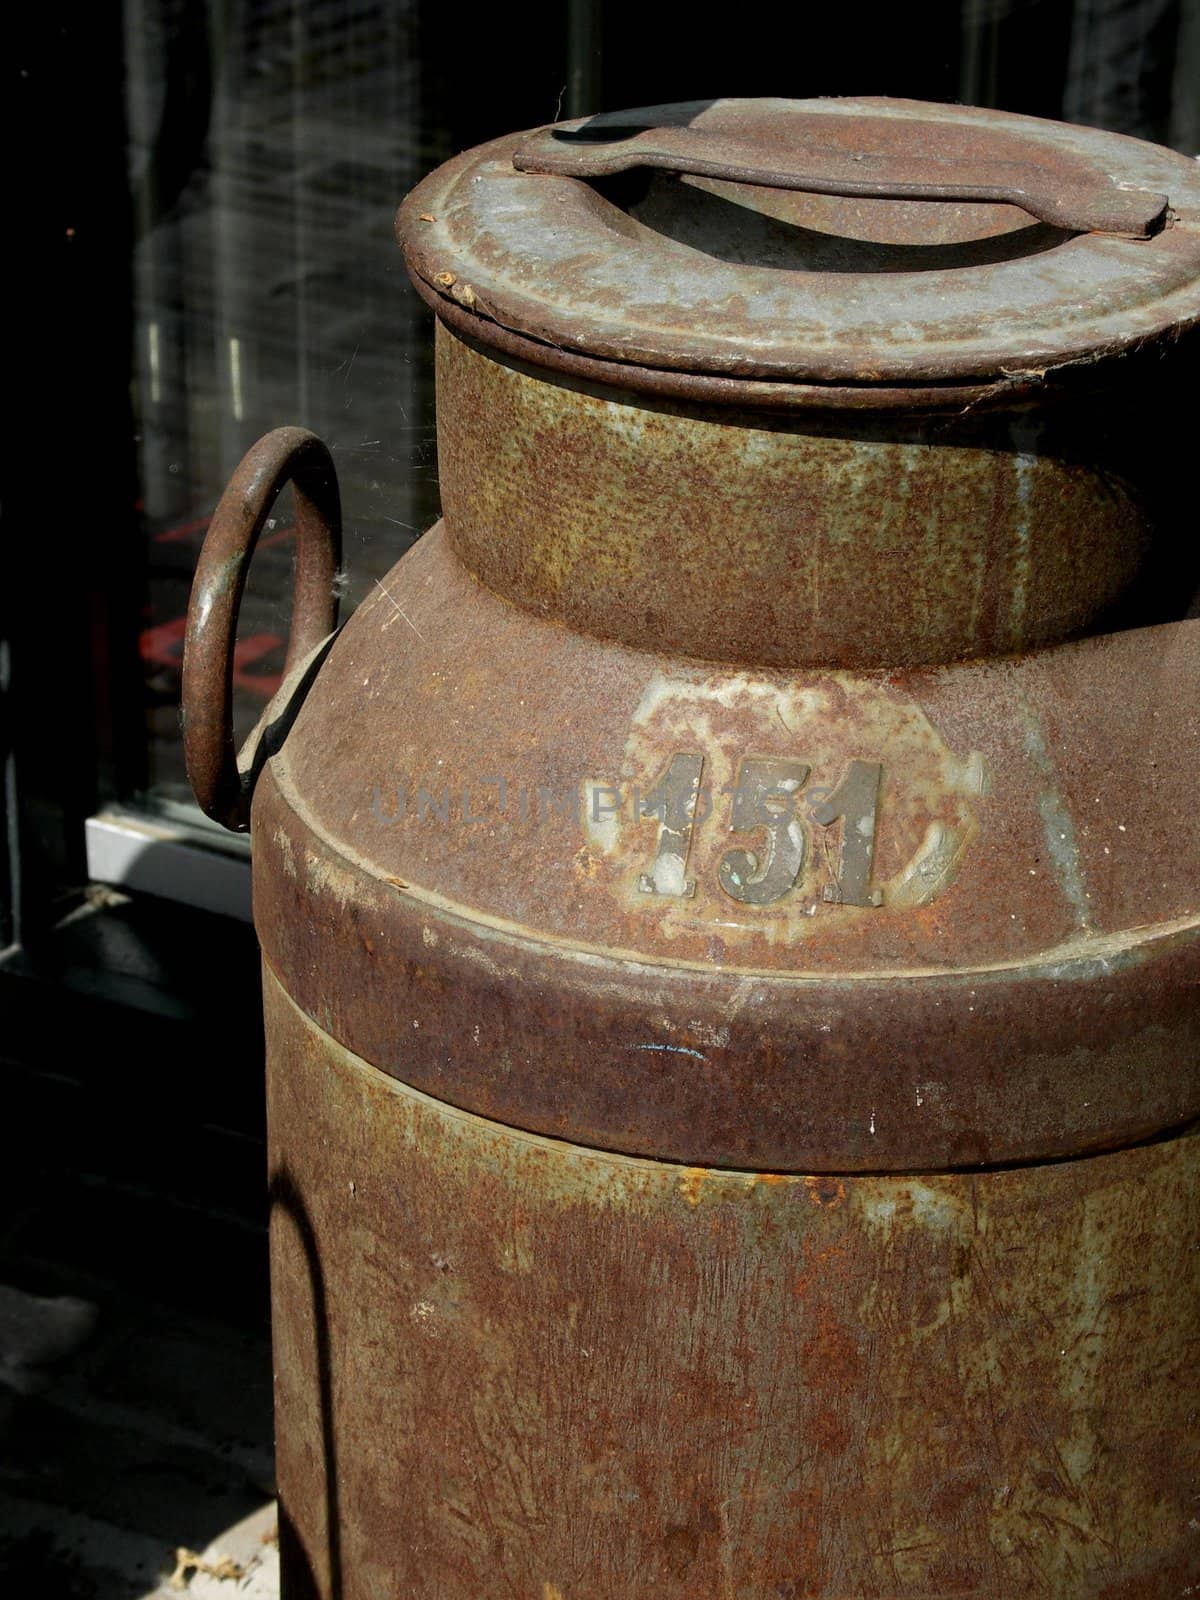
(269, 144)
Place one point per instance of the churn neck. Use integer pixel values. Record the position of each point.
(834, 539)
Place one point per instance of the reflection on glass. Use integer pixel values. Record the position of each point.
(269, 145)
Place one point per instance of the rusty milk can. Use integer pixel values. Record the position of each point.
(730, 903)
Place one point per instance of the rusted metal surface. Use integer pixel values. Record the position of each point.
(797, 154)
(720, 818)
(218, 777)
(698, 531)
(1027, 987)
(507, 1365)
(701, 275)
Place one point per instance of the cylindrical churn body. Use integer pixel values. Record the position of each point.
(730, 901)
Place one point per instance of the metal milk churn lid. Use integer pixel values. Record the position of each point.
(774, 778)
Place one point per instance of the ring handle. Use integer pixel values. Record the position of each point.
(1064, 193)
(218, 781)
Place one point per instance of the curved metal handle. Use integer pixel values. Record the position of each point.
(1060, 194)
(218, 781)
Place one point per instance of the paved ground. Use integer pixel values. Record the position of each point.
(135, 1364)
(242, 1562)
(152, 1435)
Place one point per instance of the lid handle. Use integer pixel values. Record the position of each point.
(1071, 199)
